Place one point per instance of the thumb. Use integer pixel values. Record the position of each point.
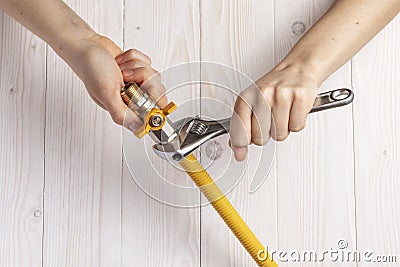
(240, 152)
(121, 114)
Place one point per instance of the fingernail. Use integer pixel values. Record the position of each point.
(127, 72)
(240, 153)
(119, 59)
(122, 67)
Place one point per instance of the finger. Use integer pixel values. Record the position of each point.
(280, 114)
(131, 121)
(139, 75)
(149, 80)
(261, 122)
(133, 64)
(240, 152)
(132, 54)
(157, 92)
(298, 113)
(240, 128)
(120, 113)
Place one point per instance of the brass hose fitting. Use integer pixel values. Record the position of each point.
(154, 119)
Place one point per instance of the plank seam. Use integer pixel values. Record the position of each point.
(200, 85)
(44, 153)
(354, 158)
(122, 149)
(276, 150)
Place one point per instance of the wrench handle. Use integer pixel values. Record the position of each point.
(333, 99)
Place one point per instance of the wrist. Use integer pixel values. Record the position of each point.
(304, 65)
(73, 48)
(71, 42)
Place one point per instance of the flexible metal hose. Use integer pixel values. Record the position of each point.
(141, 104)
(227, 212)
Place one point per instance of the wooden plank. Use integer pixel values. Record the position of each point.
(315, 167)
(154, 233)
(83, 160)
(377, 144)
(239, 34)
(22, 89)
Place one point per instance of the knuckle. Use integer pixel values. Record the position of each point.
(240, 105)
(299, 94)
(246, 98)
(261, 100)
(267, 98)
(132, 53)
(147, 58)
(267, 91)
(282, 95)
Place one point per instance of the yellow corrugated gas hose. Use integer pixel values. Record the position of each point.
(227, 212)
(154, 120)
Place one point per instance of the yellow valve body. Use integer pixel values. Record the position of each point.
(227, 212)
(147, 126)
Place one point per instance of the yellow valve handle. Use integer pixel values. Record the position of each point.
(160, 114)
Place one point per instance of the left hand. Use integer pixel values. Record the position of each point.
(104, 69)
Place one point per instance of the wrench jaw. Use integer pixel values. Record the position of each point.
(189, 135)
(175, 141)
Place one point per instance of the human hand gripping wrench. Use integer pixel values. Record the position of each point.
(177, 140)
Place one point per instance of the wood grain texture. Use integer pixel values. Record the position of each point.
(83, 160)
(22, 89)
(376, 82)
(68, 199)
(316, 205)
(153, 233)
(239, 34)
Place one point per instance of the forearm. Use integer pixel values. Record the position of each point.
(346, 27)
(54, 22)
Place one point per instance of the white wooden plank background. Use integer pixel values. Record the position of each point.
(239, 34)
(376, 82)
(83, 159)
(314, 167)
(67, 198)
(153, 233)
(23, 85)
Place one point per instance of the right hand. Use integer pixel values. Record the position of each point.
(278, 105)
